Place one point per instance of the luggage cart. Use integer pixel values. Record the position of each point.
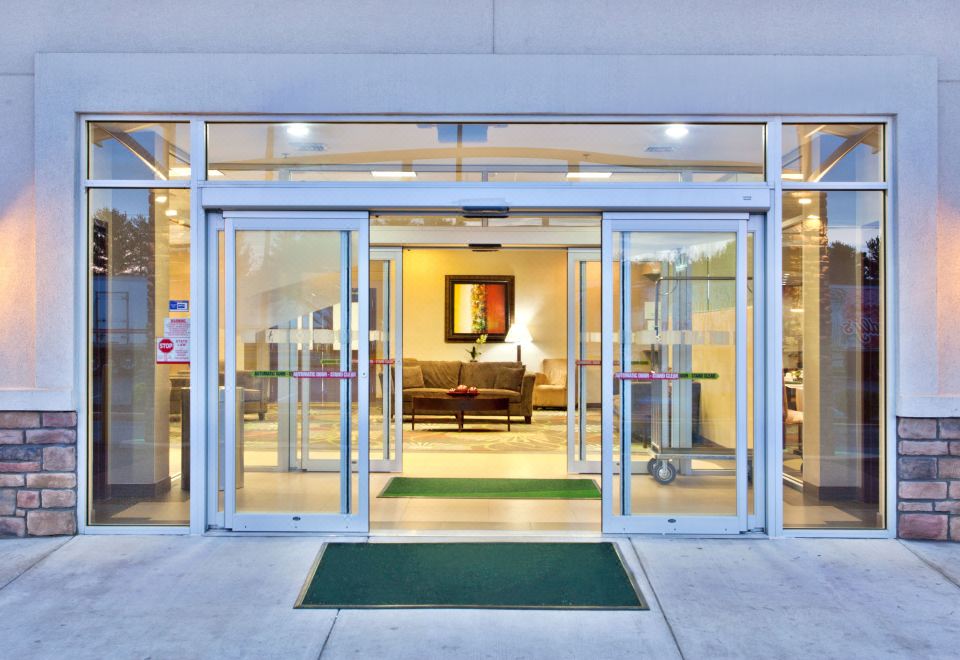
(664, 472)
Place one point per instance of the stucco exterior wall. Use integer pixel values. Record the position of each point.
(37, 306)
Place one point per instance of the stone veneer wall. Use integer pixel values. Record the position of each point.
(38, 473)
(928, 478)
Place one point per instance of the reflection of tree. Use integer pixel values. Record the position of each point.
(850, 266)
(124, 250)
(122, 245)
(871, 261)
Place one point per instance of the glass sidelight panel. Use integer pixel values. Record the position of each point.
(679, 397)
(296, 314)
(139, 290)
(832, 388)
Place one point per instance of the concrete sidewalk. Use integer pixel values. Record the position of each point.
(228, 597)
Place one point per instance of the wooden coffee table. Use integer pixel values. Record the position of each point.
(458, 405)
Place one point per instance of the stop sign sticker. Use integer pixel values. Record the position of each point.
(173, 350)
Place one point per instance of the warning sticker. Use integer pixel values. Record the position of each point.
(174, 346)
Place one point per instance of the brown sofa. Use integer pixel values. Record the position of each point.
(424, 378)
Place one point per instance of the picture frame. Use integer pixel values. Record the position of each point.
(478, 305)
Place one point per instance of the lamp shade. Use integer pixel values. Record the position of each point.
(518, 334)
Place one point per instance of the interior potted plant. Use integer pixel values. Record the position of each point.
(474, 351)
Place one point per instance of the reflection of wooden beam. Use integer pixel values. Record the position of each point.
(124, 138)
(568, 156)
(845, 148)
(136, 149)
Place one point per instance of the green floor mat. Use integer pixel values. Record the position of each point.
(470, 575)
(492, 489)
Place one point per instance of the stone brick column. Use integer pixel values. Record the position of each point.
(38, 473)
(928, 478)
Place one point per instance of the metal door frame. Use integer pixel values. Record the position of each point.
(576, 464)
(664, 523)
(394, 254)
(354, 516)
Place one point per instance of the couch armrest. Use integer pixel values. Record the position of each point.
(540, 378)
(526, 392)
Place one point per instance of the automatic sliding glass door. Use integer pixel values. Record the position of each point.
(583, 361)
(296, 372)
(675, 375)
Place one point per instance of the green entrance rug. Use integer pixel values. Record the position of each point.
(470, 575)
(492, 489)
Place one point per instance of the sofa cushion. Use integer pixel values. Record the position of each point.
(509, 379)
(436, 392)
(492, 392)
(440, 374)
(483, 374)
(412, 376)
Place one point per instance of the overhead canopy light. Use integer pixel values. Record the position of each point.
(298, 130)
(589, 175)
(676, 131)
(394, 174)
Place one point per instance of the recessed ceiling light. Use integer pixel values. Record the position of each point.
(796, 310)
(589, 175)
(793, 176)
(298, 130)
(170, 213)
(676, 131)
(160, 199)
(179, 172)
(214, 173)
(394, 174)
(804, 200)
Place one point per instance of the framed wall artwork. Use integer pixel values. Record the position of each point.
(478, 305)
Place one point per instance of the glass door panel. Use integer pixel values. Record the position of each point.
(679, 371)
(583, 362)
(386, 305)
(295, 392)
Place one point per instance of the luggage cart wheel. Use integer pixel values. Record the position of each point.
(662, 471)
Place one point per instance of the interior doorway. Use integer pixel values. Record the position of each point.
(519, 267)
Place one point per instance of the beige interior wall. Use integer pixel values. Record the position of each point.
(540, 287)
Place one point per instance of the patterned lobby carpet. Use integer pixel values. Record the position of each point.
(546, 434)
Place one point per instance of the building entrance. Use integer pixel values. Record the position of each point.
(639, 374)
